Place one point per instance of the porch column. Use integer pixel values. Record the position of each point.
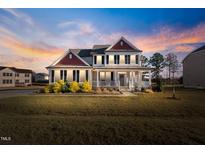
(139, 79)
(132, 79)
(97, 85)
(115, 77)
(150, 77)
(90, 77)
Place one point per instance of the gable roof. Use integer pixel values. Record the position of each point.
(2, 67)
(17, 70)
(84, 57)
(195, 51)
(65, 60)
(123, 45)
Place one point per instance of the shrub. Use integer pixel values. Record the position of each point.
(158, 86)
(98, 90)
(86, 87)
(58, 86)
(74, 87)
(65, 88)
(48, 89)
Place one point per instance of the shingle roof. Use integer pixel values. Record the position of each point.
(86, 54)
(17, 70)
(199, 49)
(2, 67)
(100, 46)
(196, 50)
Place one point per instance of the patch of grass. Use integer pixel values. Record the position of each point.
(143, 119)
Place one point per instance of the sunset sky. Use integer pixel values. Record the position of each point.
(34, 38)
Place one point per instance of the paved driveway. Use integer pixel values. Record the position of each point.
(17, 92)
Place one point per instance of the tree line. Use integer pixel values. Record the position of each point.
(158, 62)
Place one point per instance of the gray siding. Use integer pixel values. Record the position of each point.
(194, 70)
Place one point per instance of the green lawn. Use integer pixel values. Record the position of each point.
(144, 119)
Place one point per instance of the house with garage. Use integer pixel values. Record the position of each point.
(193, 69)
(14, 77)
(118, 65)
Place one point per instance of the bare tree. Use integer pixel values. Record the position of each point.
(173, 65)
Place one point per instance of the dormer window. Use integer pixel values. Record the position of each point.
(70, 56)
(121, 43)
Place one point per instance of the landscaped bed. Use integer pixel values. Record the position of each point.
(151, 118)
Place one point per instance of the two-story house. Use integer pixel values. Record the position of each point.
(12, 77)
(117, 65)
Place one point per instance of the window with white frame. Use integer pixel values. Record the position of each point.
(102, 76)
(127, 59)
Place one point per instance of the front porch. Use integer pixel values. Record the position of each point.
(122, 79)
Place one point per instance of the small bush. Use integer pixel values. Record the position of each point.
(65, 88)
(98, 90)
(105, 90)
(74, 87)
(148, 91)
(46, 89)
(57, 88)
(86, 87)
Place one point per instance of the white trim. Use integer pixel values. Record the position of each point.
(65, 54)
(80, 58)
(57, 60)
(125, 40)
(69, 66)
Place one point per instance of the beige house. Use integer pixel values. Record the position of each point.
(12, 77)
(194, 69)
(117, 65)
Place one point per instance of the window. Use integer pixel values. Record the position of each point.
(95, 59)
(10, 81)
(116, 59)
(112, 76)
(4, 74)
(10, 74)
(52, 75)
(107, 59)
(127, 59)
(65, 75)
(26, 81)
(4, 81)
(121, 43)
(86, 75)
(17, 81)
(61, 74)
(76, 75)
(103, 60)
(137, 59)
(27, 75)
(102, 76)
(70, 56)
(17, 75)
(7, 81)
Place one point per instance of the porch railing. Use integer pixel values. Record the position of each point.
(106, 83)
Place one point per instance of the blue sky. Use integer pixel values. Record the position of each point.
(41, 35)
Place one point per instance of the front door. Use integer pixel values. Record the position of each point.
(122, 79)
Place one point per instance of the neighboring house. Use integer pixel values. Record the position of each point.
(194, 69)
(12, 77)
(41, 77)
(117, 65)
